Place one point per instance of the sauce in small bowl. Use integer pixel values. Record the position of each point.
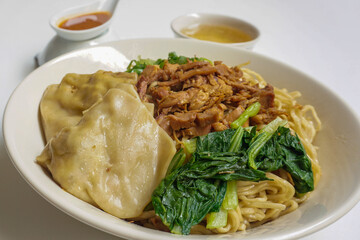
(217, 33)
(216, 28)
(84, 22)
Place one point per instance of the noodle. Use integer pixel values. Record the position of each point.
(260, 202)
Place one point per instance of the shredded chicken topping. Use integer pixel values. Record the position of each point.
(196, 98)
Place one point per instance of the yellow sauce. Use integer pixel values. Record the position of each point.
(217, 33)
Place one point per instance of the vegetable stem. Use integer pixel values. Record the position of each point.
(264, 135)
(251, 111)
(231, 198)
(190, 146)
(176, 229)
(177, 161)
(230, 201)
(236, 140)
(217, 219)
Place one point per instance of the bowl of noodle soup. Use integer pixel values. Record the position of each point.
(332, 148)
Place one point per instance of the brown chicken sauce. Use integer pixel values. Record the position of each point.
(196, 98)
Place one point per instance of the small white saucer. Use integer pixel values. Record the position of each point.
(58, 46)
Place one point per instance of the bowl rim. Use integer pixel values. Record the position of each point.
(201, 14)
(75, 212)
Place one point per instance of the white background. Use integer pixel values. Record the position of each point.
(321, 38)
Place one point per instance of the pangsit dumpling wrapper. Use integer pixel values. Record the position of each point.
(114, 157)
(62, 105)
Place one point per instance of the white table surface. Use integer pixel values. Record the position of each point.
(321, 38)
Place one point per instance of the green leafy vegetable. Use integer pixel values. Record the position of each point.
(215, 141)
(184, 202)
(285, 150)
(193, 190)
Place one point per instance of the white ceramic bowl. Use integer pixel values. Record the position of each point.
(339, 154)
(67, 40)
(86, 34)
(192, 20)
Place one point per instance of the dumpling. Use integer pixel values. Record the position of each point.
(114, 157)
(62, 104)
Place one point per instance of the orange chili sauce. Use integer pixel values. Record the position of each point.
(85, 21)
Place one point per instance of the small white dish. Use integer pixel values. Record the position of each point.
(68, 40)
(86, 34)
(337, 192)
(193, 20)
